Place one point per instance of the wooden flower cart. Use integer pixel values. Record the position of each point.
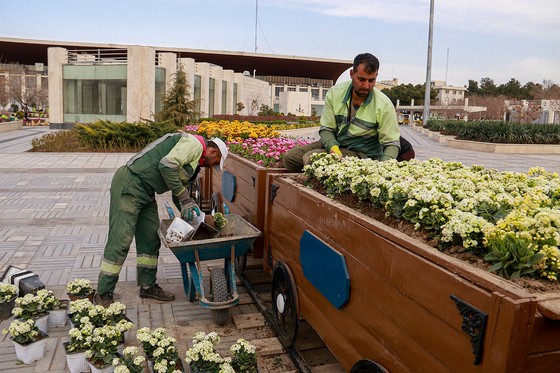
(376, 295)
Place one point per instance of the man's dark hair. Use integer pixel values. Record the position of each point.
(371, 62)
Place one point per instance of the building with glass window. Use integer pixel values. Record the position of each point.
(90, 81)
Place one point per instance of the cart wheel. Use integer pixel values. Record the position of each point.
(198, 193)
(218, 289)
(284, 303)
(240, 263)
(367, 366)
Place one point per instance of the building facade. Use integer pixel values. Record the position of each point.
(129, 85)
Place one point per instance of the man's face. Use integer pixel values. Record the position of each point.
(362, 81)
(212, 158)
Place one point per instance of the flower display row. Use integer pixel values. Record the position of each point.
(265, 152)
(510, 218)
(233, 130)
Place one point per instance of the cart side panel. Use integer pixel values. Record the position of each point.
(543, 362)
(244, 198)
(383, 312)
(545, 336)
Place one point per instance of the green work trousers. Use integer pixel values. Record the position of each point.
(296, 158)
(133, 213)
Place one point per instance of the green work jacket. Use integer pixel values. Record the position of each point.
(169, 163)
(373, 127)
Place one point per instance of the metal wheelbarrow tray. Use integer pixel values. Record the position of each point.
(234, 240)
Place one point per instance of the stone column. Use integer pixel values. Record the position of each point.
(227, 75)
(141, 83)
(57, 57)
(203, 70)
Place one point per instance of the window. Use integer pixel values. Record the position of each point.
(303, 89)
(315, 94)
(291, 89)
(277, 91)
(224, 96)
(325, 93)
(159, 89)
(211, 96)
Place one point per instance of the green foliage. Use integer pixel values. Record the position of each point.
(407, 93)
(219, 221)
(59, 141)
(499, 131)
(239, 106)
(132, 136)
(514, 257)
(265, 110)
(177, 108)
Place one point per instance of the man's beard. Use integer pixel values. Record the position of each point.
(363, 93)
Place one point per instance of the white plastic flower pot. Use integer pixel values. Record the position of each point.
(58, 317)
(76, 361)
(6, 308)
(109, 368)
(32, 351)
(42, 322)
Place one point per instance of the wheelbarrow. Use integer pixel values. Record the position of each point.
(232, 241)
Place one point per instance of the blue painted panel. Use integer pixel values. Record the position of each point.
(325, 268)
(228, 186)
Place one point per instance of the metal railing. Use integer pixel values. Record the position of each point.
(97, 56)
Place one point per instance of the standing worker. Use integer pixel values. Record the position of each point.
(169, 163)
(358, 120)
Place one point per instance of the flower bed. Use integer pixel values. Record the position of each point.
(511, 219)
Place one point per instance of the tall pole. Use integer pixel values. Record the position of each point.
(256, 21)
(446, 66)
(429, 67)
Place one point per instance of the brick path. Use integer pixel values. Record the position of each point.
(54, 221)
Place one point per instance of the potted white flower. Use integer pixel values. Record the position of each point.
(57, 308)
(203, 357)
(29, 341)
(103, 349)
(29, 307)
(150, 341)
(244, 357)
(80, 289)
(8, 295)
(76, 348)
(128, 362)
(79, 309)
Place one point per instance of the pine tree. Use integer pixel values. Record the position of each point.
(177, 108)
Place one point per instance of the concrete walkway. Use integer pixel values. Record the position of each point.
(54, 221)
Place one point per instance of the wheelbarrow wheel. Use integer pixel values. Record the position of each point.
(218, 289)
(215, 203)
(284, 303)
(367, 366)
(240, 263)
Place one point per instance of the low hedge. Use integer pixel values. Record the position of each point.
(498, 131)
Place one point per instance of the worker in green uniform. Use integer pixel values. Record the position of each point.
(170, 163)
(357, 120)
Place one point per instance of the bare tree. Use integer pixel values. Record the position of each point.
(23, 95)
(524, 111)
(495, 106)
(4, 92)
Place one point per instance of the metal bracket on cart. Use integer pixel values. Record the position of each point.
(474, 324)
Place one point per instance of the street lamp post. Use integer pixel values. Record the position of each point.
(429, 67)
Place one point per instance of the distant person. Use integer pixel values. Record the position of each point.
(25, 114)
(358, 120)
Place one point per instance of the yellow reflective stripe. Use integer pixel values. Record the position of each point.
(110, 268)
(152, 262)
(182, 190)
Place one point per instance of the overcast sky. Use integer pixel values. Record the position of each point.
(499, 39)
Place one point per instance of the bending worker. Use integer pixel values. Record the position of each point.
(169, 163)
(358, 120)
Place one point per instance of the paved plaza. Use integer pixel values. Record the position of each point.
(54, 221)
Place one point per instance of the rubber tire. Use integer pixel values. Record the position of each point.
(215, 203)
(367, 366)
(218, 289)
(287, 322)
(240, 263)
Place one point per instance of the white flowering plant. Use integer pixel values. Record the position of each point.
(115, 312)
(22, 332)
(47, 300)
(244, 357)
(473, 207)
(202, 357)
(78, 310)
(128, 362)
(7, 292)
(150, 340)
(80, 338)
(103, 347)
(27, 307)
(79, 287)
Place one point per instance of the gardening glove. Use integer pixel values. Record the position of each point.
(188, 206)
(336, 151)
(389, 152)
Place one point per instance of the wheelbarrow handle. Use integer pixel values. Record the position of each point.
(169, 210)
